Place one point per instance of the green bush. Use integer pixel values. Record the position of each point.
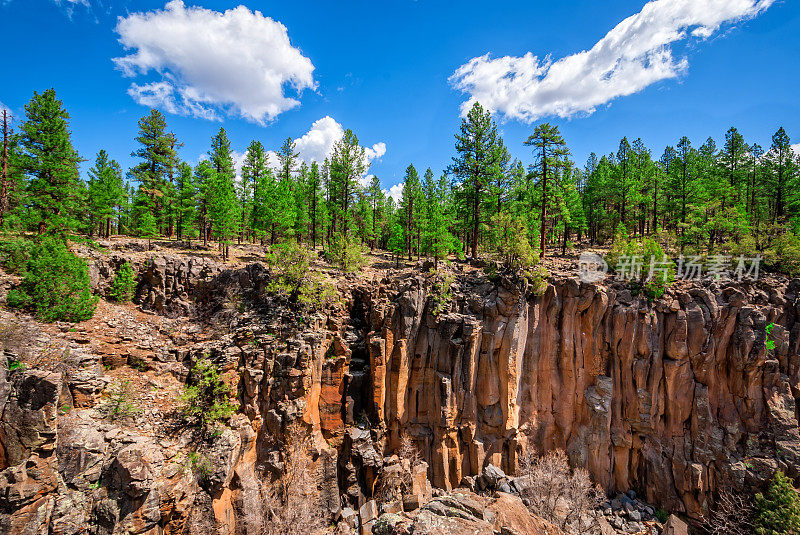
(123, 286)
(440, 293)
(663, 274)
(783, 254)
(120, 404)
(293, 279)
(510, 244)
(537, 279)
(55, 284)
(206, 399)
(347, 253)
(778, 511)
(15, 254)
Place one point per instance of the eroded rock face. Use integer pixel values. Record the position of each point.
(676, 398)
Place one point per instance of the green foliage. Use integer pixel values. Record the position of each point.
(293, 279)
(200, 466)
(347, 253)
(55, 285)
(54, 190)
(770, 344)
(123, 286)
(511, 246)
(206, 398)
(646, 254)
(15, 254)
(537, 279)
(661, 515)
(778, 511)
(120, 404)
(440, 293)
(784, 253)
(14, 365)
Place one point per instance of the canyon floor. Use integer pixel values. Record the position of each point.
(663, 402)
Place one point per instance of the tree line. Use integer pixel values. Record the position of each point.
(737, 197)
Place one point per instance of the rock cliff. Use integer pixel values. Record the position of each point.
(675, 399)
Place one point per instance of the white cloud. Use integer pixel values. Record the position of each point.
(395, 192)
(633, 55)
(795, 147)
(237, 62)
(317, 144)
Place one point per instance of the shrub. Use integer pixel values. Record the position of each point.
(55, 284)
(15, 254)
(637, 265)
(537, 279)
(440, 293)
(293, 279)
(778, 511)
(732, 515)
(206, 399)
(558, 494)
(123, 286)
(201, 467)
(783, 254)
(120, 404)
(347, 253)
(511, 246)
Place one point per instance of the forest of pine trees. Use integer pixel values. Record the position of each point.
(732, 198)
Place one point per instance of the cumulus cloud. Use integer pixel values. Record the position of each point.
(211, 63)
(633, 55)
(395, 192)
(317, 144)
(795, 147)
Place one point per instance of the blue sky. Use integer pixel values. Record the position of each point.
(397, 72)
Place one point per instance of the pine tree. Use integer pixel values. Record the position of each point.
(157, 155)
(480, 155)
(223, 206)
(782, 168)
(51, 164)
(186, 203)
(410, 207)
(347, 164)
(778, 511)
(257, 211)
(105, 191)
(550, 151)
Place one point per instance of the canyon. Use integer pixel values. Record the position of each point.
(672, 400)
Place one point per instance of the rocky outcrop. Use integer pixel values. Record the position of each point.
(675, 398)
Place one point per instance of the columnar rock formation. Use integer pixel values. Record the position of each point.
(675, 398)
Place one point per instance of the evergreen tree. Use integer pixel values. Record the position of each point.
(550, 152)
(223, 207)
(105, 192)
(48, 158)
(410, 207)
(480, 155)
(186, 203)
(257, 211)
(347, 164)
(778, 511)
(157, 155)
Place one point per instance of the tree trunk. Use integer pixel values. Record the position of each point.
(544, 201)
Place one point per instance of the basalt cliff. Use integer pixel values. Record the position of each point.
(671, 400)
